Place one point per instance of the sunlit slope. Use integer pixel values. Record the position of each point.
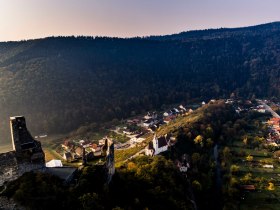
(63, 82)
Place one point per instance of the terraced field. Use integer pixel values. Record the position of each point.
(262, 198)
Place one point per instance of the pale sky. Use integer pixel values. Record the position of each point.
(29, 19)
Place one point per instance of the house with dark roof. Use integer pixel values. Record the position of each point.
(157, 145)
(68, 156)
(149, 150)
(79, 151)
(248, 187)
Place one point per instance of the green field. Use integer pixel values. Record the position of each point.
(49, 146)
(262, 198)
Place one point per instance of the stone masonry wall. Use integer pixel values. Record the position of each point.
(8, 167)
(11, 169)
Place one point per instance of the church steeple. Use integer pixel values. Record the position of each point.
(155, 142)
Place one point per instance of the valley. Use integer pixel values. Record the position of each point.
(192, 120)
(239, 136)
(63, 83)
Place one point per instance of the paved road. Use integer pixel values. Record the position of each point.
(267, 108)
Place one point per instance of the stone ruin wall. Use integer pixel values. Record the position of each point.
(26, 167)
(8, 167)
(11, 169)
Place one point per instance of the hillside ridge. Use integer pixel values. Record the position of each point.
(61, 83)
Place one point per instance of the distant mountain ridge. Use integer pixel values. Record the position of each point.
(221, 32)
(60, 83)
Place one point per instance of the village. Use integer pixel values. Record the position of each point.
(251, 159)
(255, 168)
(131, 133)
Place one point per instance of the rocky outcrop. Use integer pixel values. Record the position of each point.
(9, 167)
(9, 204)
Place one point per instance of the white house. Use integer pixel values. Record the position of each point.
(183, 169)
(157, 145)
(149, 150)
(268, 166)
(261, 110)
(136, 140)
(54, 163)
(148, 122)
(68, 156)
(148, 116)
(165, 114)
(182, 108)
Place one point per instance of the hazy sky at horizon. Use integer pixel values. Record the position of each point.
(29, 19)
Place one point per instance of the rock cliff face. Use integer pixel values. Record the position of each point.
(9, 167)
(7, 204)
(27, 154)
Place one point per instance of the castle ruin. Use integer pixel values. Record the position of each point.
(27, 153)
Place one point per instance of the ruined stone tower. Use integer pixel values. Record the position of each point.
(27, 154)
(27, 149)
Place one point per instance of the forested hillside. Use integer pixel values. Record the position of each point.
(60, 83)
